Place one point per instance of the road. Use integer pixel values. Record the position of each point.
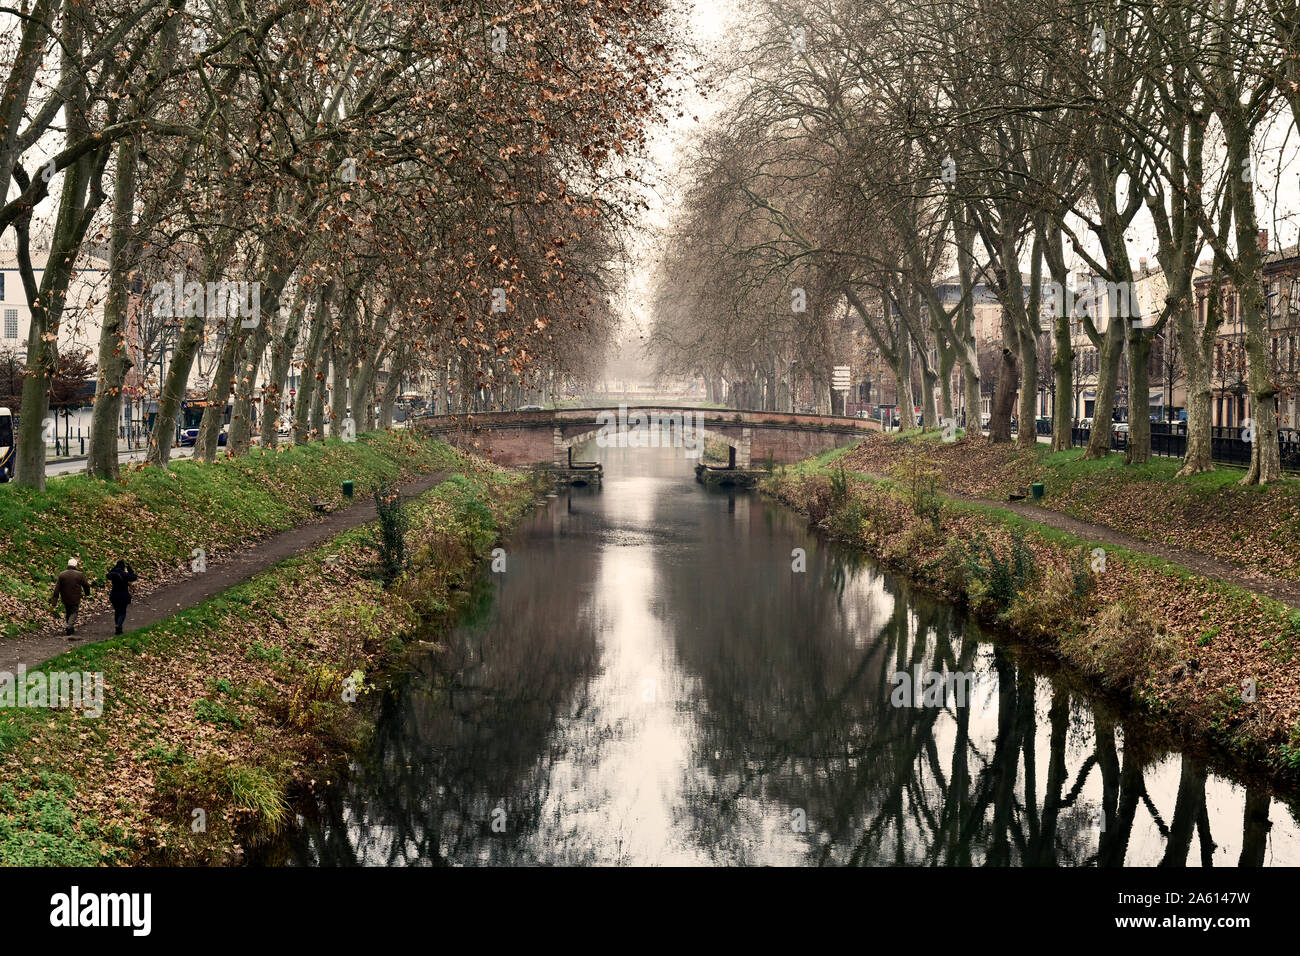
(76, 465)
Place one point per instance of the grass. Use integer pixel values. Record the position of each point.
(820, 463)
(826, 463)
(1070, 467)
(197, 709)
(155, 519)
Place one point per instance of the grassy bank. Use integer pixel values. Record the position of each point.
(155, 519)
(1185, 649)
(229, 707)
(1255, 528)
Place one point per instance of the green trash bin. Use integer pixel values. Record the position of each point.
(347, 489)
(1037, 489)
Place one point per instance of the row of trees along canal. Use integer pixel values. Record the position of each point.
(875, 146)
(413, 189)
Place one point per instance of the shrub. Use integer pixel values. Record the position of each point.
(393, 525)
(921, 480)
(818, 498)
(994, 581)
(218, 784)
(1123, 644)
(839, 485)
(1081, 572)
(846, 521)
(1051, 608)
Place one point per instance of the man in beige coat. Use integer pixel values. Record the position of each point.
(70, 588)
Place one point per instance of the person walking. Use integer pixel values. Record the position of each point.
(70, 587)
(120, 580)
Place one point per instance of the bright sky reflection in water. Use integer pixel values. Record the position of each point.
(650, 683)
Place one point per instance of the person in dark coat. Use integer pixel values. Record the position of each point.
(120, 580)
(70, 588)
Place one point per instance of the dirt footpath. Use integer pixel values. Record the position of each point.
(96, 621)
(1287, 592)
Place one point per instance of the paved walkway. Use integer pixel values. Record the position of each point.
(161, 603)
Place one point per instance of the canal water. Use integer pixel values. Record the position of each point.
(651, 682)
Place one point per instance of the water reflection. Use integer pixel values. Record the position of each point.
(651, 683)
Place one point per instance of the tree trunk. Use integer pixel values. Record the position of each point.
(363, 387)
(1005, 385)
(1062, 346)
(214, 409)
(1247, 277)
(114, 357)
(1199, 455)
(310, 381)
(318, 398)
(1003, 398)
(974, 399)
(903, 376)
(1139, 398)
(1029, 324)
(947, 360)
(241, 413)
(1103, 411)
(339, 397)
(172, 391)
(392, 387)
(273, 390)
(929, 385)
(80, 198)
(965, 326)
(1027, 437)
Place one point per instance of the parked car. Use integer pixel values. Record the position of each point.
(531, 408)
(1121, 428)
(190, 435)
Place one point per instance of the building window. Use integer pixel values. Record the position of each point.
(2, 286)
(11, 323)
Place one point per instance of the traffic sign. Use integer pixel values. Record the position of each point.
(840, 378)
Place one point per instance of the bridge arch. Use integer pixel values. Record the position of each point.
(691, 434)
(537, 437)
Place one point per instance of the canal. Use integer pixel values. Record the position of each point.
(651, 681)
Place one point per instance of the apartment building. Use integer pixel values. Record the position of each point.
(1230, 366)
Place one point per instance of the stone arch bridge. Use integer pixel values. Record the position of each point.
(546, 437)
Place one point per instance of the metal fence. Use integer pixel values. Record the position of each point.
(1169, 441)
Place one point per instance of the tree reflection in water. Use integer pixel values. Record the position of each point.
(651, 683)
